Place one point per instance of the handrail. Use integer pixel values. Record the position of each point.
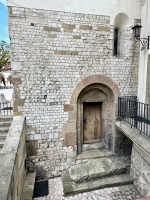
(6, 109)
(135, 113)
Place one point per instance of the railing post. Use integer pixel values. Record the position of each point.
(135, 114)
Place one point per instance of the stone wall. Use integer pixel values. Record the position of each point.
(140, 170)
(51, 52)
(12, 161)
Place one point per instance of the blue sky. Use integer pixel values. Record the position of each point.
(4, 35)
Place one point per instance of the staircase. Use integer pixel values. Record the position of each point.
(97, 173)
(5, 123)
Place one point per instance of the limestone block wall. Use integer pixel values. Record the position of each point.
(140, 170)
(51, 52)
(12, 161)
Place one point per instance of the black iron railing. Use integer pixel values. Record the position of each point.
(6, 109)
(135, 113)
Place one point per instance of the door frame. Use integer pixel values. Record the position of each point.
(105, 96)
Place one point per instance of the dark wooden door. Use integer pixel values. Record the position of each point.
(92, 122)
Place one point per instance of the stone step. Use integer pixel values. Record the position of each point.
(4, 130)
(6, 118)
(3, 136)
(1, 148)
(94, 146)
(28, 189)
(5, 124)
(71, 188)
(95, 154)
(100, 167)
(2, 143)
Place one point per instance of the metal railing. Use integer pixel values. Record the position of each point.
(135, 113)
(6, 109)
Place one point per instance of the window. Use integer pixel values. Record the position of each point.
(115, 42)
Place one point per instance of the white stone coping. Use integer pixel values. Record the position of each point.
(134, 135)
(9, 157)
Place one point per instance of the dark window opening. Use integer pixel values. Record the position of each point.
(3, 80)
(115, 42)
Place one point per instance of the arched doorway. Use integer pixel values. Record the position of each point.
(95, 118)
(99, 94)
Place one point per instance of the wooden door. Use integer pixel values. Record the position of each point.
(92, 122)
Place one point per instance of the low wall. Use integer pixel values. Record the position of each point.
(140, 157)
(12, 161)
(140, 170)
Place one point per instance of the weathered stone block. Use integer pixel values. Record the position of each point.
(52, 29)
(66, 53)
(86, 27)
(52, 35)
(69, 26)
(103, 28)
(16, 80)
(32, 147)
(31, 128)
(69, 30)
(71, 127)
(17, 113)
(20, 102)
(76, 37)
(72, 154)
(72, 115)
(68, 107)
(10, 10)
(70, 139)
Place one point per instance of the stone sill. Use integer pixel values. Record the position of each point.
(134, 135)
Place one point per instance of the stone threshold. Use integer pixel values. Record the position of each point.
(95, 154)
(105, 182)
(134, 135)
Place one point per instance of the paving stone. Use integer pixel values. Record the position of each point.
(113, 193)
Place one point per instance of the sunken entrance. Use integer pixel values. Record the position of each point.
(95, 118)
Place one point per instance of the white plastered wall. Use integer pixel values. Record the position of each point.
(145, 31)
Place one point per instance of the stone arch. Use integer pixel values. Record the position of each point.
(122, 30)
(107, 87)
(9, 79)
(2, 79)
(121, 21)
(101, 79)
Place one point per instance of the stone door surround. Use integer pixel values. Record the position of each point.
(72, 127)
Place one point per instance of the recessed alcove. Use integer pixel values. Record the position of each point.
(95, 118)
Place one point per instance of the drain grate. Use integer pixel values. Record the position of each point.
(41, 189)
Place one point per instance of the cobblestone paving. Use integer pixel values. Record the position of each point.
(116, 193)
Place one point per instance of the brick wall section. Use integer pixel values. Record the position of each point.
(51, 53)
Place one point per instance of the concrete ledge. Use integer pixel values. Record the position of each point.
(12, 161)
(28, 189)
(134, 135)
